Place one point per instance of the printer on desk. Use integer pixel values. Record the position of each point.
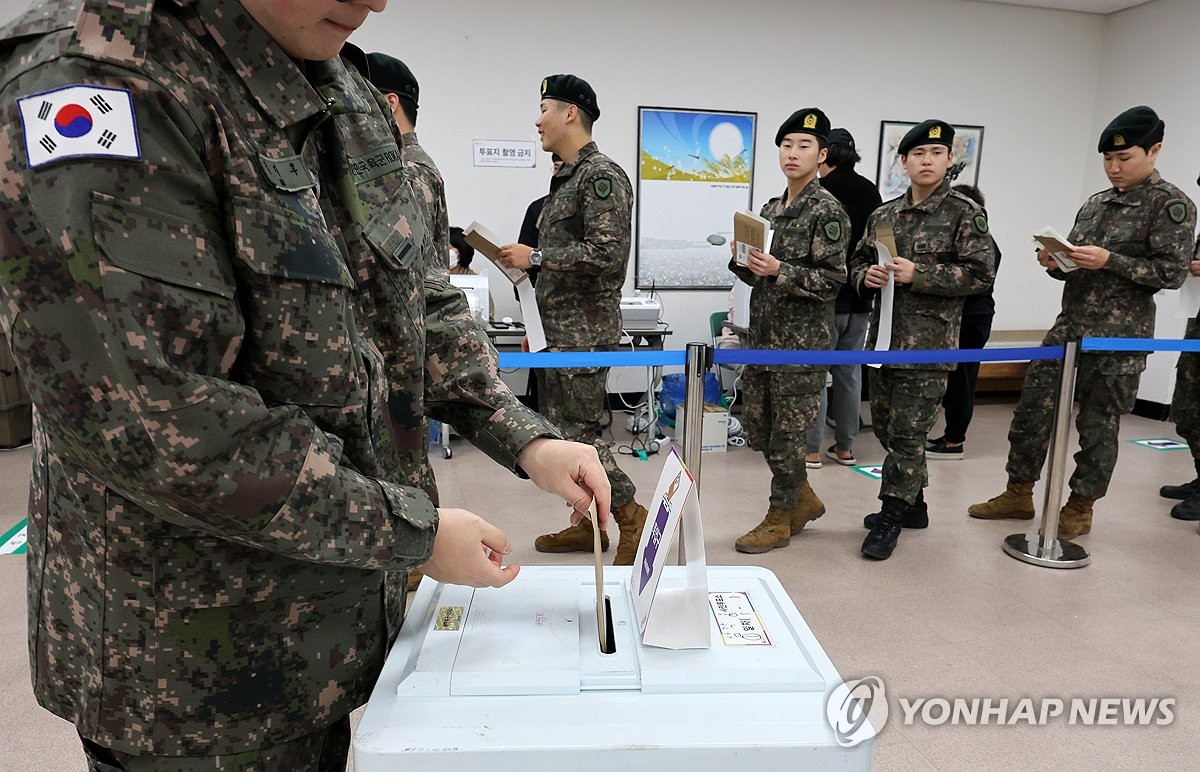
(640, 313)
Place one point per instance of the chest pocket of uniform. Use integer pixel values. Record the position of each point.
(792, 244)
(297, 298)
(931, 251)
(564, 215)
(166, 282)
(1130, 229)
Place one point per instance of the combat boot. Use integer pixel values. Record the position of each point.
(1189, 509)
(774, 531)
(1185, 491)
(881, 541)
(630, 519)
(1075, 518)
(1016, 503)
(915, 517)
(574, 538)
(808, 507)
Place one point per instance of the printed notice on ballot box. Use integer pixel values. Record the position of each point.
(738, 621)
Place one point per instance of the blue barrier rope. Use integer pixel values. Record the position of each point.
(764, 357)
(1139, 344)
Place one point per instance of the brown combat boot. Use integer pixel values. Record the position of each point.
(808, 508)
(1075, 518)
(574, 538)
(630, 519)
(1016, 503)
(774, 531)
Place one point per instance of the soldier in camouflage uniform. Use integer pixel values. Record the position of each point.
(943, 254)
(212, 278)
(1130, 241)
(1185, 412)
(584, 238)
(401, 94)
(791, 307)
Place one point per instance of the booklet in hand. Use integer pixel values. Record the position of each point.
(486, 242)
(749, 232)
(1058, 247)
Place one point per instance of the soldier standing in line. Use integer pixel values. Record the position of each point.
(944, 253)
(1132, 240)
(401, 92)
(584, 237)
(1185, 412)
(213, 278)
(792, 307)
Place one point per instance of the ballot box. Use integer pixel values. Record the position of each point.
(514, 678)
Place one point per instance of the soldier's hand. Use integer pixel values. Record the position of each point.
(469, 551)
(571, 471)
(877, 276)
(763, 264)
(1046, 260)
(903, 269)
(1194, 267)
(516, 256)
(1090, 258)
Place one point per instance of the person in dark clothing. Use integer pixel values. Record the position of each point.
(973, 333)
(529, 226)
(859, 197)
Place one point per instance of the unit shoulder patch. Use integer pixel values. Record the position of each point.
(1177, 211)
(981, 224)
(602, 185)
(833, 229)
(78, 121)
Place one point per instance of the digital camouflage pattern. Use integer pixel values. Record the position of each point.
(1149, 230)
(585, 234)
(431, 196)
(1185, 404)
(229, 380)
(946, 235)
(792, 311)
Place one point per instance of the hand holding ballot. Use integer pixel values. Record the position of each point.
(515, 256)
(900, 267)
(1057, 252)
(762, 264)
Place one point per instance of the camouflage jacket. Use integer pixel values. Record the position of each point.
(585, 235)
(1149, 231)
(946, 235)
(794, 310)
(431, 195)
(230, 345)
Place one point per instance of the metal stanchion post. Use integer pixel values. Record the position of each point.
(699, 359)
(1044, 548)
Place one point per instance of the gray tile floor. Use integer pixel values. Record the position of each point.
(950, 615)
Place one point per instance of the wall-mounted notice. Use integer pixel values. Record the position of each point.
(518, 153)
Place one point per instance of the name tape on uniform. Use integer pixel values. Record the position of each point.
(78, 122)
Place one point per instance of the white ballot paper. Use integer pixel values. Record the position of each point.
(1189, 298)
(1053, 242)
(887, 301)
(483, 240)
(672, 617)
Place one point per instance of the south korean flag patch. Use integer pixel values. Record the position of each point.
(79, 122)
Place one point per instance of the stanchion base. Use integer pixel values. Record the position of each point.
(1062, 554)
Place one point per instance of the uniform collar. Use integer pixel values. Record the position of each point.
(1112, 194)
(585, 151)
(271, 76)
(801, 197)
(933, 202)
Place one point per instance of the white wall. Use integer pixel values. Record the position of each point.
(1149, 58)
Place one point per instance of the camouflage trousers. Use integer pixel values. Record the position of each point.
(1106, 388)
(323, 751)
(1185, 404)
(573, 400)
(904, 408)
(779, 409)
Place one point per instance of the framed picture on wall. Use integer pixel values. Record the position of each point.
(695, 169)
(890, 176)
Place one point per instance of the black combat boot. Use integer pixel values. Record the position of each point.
(915, 517)
(882, 539)
(1188, 509)
(1185, 491)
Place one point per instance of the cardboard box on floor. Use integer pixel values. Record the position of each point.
(714, 432)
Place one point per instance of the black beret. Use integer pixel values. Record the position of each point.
(810, 120)
(1137, 126)
(573, 90)
(841, 137)
(931, 132)
(392, 76)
